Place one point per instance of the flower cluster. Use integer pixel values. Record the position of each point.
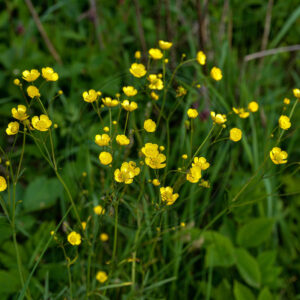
(153, 158)
(127, 172)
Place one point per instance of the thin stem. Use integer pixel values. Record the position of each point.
(115, 232)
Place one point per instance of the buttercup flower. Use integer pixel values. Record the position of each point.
(49, 74)
(155, 82)
(107, 101)
(194, 174)
(127, 172)
(138, 70)
(90, 96)
(83, 225)
(33, 91)
(155, 182)
(164, 45)
(101, 276)
(3, 184)
(129, 106)
(102, 139)
(106, 129)
(74, 238)
(241, 112)
(278, 156)
(105, 158)
(154, 96)
(253, 106)
(17, 82)
(216, 73)
(150, 150)
(218, 118)
(41, 123)
(184, 156)
(192, 113)
(296, 93)
(31, 75)
(19, 113)
(235, 134)
(201, 58)
(129, 91)
(180, 91)
(286, 101)
(284, 122)
(155, 53)
(122, 139)
(167, 195)
(149, 125)
(104, 237)
(99, 210)
(201, 163)
(156, 162)
(12, 128)
(137, 54)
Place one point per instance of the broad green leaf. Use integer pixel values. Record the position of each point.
(255, 232)
(265, 294)
(241, 292)
(10, 282)
(248, 267)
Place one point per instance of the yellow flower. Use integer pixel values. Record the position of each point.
(156, 162)
(99, 210)
(286, 101)
(278, 156)
(180, 91)
(155, 82)
(167, 195)
(129, 91)
(164, 45)
(12, 128)
(83, 225)
(104, 237)
(184, 156)
(74, 238)
(155, 182)
(90, 96)
(107, 101)
(105, 158)
(155, 53)
(154, 96)
(31, 75)
(296, 93)
(192, 113)
(235, 134)
(17, 82)
(101, 276)
(253, 106)
(127, 172)
(122, 139)
(205, 184)
(241, 112)
(137, 54)
(49, 74)
(102, 139)
(161, 148)
(41, 123)
(284, 122)
(129, 106)
(201, 58)
(218, 118)
(19, 113)
(33, 91)
(194, 174)
(106, 129)
(150, 150)
(149, 125)
(3, 184)
(216, 73)
(201, 163)
(138, 70)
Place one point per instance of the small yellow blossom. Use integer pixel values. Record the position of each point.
(127, 172)
(155, 53)
(194, 174)
(106, 129)
(192, 113)
(278, 156)
(164, 45)
(235, 134)
(33, 91)
(17, 82)
(150, 150)
(218, 118)
(31, 75)
(155, 182)
(180, 91)
(201, 163)
(205, 184)
(241, 112)
(284, 122)
(107, 101)
(129, 106)
(154, 96)
(102, 139)
(156, 162)
(167, 195)
(122, 139)
(166, 60)
(155, 82)
(41, 123)
(129, 91)
(49, 74)
(296, 93)
(161, 148)
(253, 106)
(90, 96)
(12, 128)
(115, 122)
(60, 92)
(149, 125)
(3, 184)
(182, 224)
(138, 70)
(83, 225)
(216, 73)
(137, 54)
(201, 58)
(104, 237)
(19, 113)
(74, 238)
(184, 156)
(105, 158)
(101, 276)
(286, 101)
(99, 210)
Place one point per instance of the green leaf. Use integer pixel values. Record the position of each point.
(255, 232)
(241, 292)
(9, 282)
(41, 193)
(265, 294)
(248, 267)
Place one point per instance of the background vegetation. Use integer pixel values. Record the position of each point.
(243, 250)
